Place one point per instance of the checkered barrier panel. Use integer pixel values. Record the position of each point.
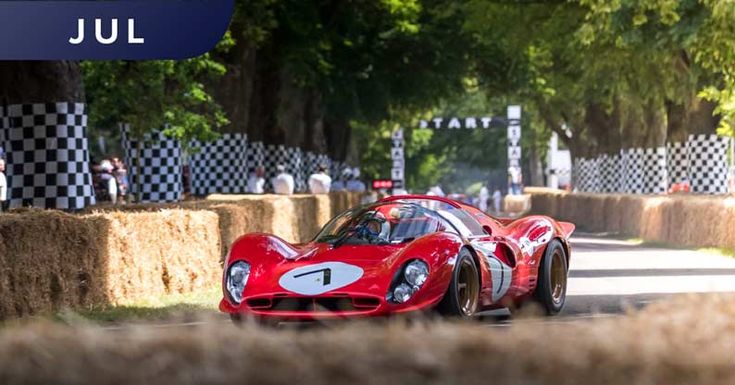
(47, 155)
(611, 173)
(676, 162)
(219, 166)
(707, 163)
(4, 126)
(255, 155)
(655, 175)
(160, 166)
(586, 175)
(634, 176)
(295, 166)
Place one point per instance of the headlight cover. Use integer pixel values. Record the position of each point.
(237, 278)
(412, 276)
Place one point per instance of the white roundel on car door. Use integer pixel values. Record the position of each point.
(320, 278)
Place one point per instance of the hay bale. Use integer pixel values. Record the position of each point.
(152, 254)
(120, 254)
(50, 260)
(516, 203)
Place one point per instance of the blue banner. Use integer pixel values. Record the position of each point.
(112, 29)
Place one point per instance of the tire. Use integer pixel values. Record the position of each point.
(463, 295)
(551, 290)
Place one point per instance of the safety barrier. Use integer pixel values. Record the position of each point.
(686, 220)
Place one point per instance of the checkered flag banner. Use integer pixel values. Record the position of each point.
(702, 160)
(160, 166)
(47, 155)
(220, 166)
(707, 163)
(676, 162)
(586, 175)
(4, 126)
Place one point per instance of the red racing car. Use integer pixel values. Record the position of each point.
(401, 254)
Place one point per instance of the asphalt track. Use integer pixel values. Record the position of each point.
(608, 277)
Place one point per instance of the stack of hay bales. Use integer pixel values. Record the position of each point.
(686, 220)
(51, 260)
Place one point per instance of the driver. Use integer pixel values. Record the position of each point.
(377, 226)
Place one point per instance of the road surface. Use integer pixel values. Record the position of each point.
(607, 275)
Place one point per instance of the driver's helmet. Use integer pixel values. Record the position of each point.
(377, 225)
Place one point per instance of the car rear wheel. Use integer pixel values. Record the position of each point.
(551, 291)
(463, 295)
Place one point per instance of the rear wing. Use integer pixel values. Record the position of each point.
(567, 229)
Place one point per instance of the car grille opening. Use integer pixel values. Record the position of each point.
(334, 303)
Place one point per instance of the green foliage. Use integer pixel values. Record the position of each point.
(156, 95)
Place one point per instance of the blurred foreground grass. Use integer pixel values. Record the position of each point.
(687, 340)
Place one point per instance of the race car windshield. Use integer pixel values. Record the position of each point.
(388, 223)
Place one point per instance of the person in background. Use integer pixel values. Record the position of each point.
(320, 182)
(497, 200)
(256, 180)
(516, 178)
(121, 177)
(436, 190)
(283, 183)
(3, 186)
(354, 184)
(108, 181)
(339, 184)
(484, 196)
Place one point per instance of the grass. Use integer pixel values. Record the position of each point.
(167, 307)
(721, 251)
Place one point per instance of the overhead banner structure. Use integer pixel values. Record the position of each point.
(514, 136)
(461, 123)
(397, 172)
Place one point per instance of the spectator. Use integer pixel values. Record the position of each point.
(256, 180)
(339, 184)
(354, 184)
(121, 177)
(436, 190)
(482, 199)
(516, 178)
(320, 182)
(108, 181)
(3, 186)
(497, 200)
(283, 182)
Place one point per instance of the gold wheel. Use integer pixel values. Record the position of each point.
(468, 287)
(558, 277)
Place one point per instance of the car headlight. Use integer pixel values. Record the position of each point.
(409, 280)
(237, 278)
(416, 273)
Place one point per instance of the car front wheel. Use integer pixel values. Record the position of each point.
(463, 295)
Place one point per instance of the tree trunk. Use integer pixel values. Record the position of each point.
(234, 90)
(262, 122)
(338, 138)
(23, 82)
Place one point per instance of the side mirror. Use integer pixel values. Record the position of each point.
(488, 229)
